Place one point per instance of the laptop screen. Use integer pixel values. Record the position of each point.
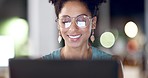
(27, 68)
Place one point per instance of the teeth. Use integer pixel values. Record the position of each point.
(77, 36)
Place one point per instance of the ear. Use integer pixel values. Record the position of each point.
(94, 21)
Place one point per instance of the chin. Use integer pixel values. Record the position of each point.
(75, 45)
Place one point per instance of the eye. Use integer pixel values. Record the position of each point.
(82, 19)
(65, 20)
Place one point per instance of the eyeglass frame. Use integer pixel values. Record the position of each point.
(73, 19)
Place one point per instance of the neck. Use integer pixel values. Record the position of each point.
(76, 53)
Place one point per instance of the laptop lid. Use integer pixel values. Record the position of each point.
(27, 68)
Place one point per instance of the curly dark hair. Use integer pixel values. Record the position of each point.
(92, 5)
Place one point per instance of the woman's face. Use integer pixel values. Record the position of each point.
(75, 36)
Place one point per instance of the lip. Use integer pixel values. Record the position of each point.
(74, 36)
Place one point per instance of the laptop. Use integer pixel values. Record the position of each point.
(29, 68)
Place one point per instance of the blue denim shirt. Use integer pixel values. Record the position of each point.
(96, 54)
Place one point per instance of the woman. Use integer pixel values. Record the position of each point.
(76, 23)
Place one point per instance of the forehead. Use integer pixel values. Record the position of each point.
(74, 8)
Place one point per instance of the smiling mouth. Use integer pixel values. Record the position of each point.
(74, 36)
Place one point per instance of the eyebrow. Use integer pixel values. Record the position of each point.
(76, 16)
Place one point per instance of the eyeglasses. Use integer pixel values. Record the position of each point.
(82, 21)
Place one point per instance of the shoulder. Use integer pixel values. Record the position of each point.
(98, 54)
(54, 55)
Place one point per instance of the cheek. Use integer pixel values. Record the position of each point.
(63, 31)
(87, 30)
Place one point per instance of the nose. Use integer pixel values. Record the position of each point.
(73, 26)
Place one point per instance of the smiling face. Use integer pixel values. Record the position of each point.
(75, 36)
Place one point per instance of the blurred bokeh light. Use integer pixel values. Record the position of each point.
(107, 39)
(131, 29)
(17, 28)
